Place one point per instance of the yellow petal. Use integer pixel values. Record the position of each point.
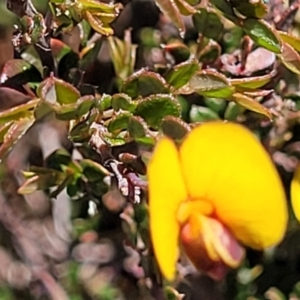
(166, 192)
(295, 193)
(188, 208)
(225, 164)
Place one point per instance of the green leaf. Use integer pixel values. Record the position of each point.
(137, 127)
(81, 131)
(92, 170)
(75, 13)
(144, 83)
(14, 134)
(33, 184)
(154, 108)
(179, 75)
(118, 122)
(89, 54)
(31, 56)
(232, 111)
(104, 17)
(57, 1)
(251, 104)
(171, 294)
(202, 114)
(104, 102)
(17, 112)
(100, 6)
(193, 2)
(255, 93)
(184, 7)
(54, 90)
(217, 105)
(225, 8)
(122, 102)
(169, 8)
(4, 129)
(75, 110)
(178, 50)
(146, 141)
(114, 141)
(210, 83)
(252, 9)
(123, 55)
(84, 105)
(208, 23)
(66, 112)
(42, 110)
(68, 181)
(251, 82)
(57, 159)
(95, 173)
(97, 24)
(63, 21)
(262, 34)
(85, 32)
(41, 179)
(210, 53)
(174, 128)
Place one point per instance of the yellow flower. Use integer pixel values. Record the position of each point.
(215, 192)
(295, 193)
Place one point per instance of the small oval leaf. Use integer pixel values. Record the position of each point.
(251, 104)
(251, 82)
(210, 53)
(17, 112)
(208, 23)
(119, 122)
(174, 128)
(98, 25)
(145, 83)
(54, 90)
(179, 75)
(202, 114)
(137, 127)
(178, 50)
(211, 84)
(224, 7)
(252, 9)
(262, 34)
(122, 102)
(184, 7)
(217, 105)
(232, 111)
(100, 6)
(154, 108)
